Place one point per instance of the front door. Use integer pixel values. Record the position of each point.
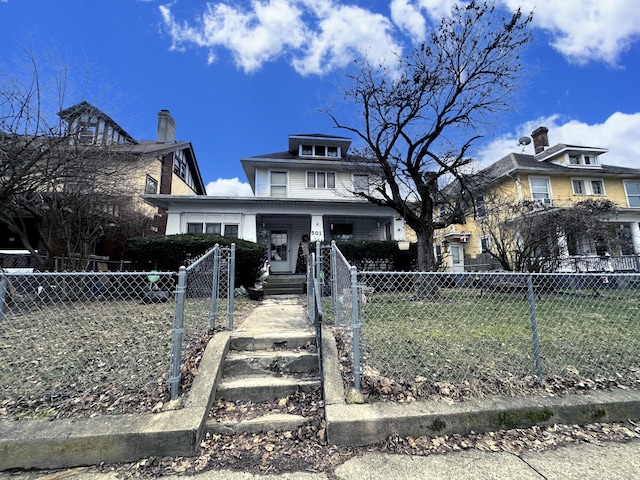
(279, 250)
(457, 257)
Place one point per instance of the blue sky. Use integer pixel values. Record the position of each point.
(240, 76)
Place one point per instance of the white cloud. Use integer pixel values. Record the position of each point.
(618, 134)
(229, 187)
(316, 36)
(586, 30)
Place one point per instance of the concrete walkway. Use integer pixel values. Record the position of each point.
(611, 461)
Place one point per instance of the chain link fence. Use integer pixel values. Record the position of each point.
(476, 334)
(105, 337)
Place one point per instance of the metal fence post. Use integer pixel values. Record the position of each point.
(534, 329)
(318, 264)
(334, 282)
(213, 311)
(176, 334)
(4, 284)
(232, 285)
(355, 326)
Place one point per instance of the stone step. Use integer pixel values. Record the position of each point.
(263, 388)
(272, 341)
(263, 423)
(238, 364)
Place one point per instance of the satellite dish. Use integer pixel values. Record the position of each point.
(524, 141)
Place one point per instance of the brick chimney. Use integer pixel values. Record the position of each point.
(540, 139)
(166, 127)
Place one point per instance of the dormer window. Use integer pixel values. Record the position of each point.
(319, 151)
(580, 160)
(86, 135)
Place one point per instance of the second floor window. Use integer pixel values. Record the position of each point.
(632, 190)
(321, 180)
(279, 184)
(151, 186)
(481, 207)
(180, 164)
(540, 190)
(587, 187)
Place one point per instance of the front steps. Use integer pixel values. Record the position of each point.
(270, 358)
(285, 284)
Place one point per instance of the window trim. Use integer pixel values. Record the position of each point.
(319, 150)
(487, 240)
(549, 191)
(315, 174)
(285, 185)
(587, 186)
(626, 193)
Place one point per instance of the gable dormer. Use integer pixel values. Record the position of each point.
(318, 146)
(86, 125)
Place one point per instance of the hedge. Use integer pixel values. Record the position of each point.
(168, 253)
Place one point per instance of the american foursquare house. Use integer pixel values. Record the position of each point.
(301, 195)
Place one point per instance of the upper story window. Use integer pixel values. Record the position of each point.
(578, 159)
(321, 180)
(86, 135)
(319, 151)
(278, 184)
(151, 186)
(180, 164)
(540, 190)
(632, 189)
(583, 186)
(361, 183)
(481, 206)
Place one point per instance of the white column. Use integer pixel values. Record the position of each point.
(635, 237)
(317, 228)
(249, 231)
(399, 232)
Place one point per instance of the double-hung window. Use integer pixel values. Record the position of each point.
(632, 189)
(279, 184)
(540, 190)
(481, 206)
(361, 183)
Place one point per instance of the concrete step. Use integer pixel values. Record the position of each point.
(272, 341)
(263, 423)
(263, 388)
(238, 364)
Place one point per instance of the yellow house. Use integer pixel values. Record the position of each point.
(554, 177)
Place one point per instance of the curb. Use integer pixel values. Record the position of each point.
(367, 424)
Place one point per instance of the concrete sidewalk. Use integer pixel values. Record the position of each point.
(611, 461)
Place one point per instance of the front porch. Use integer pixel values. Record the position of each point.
(286, 238)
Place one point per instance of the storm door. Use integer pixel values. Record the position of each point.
(279, 250)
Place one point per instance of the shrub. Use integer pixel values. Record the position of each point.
(168, 253)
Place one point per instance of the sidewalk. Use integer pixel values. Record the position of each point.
(611, 461)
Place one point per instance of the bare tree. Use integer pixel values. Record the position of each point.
(421, 120)
(529, 237)
(51, 183)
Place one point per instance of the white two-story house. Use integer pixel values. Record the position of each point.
(304, 194)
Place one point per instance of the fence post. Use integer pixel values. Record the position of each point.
(534, 329)
(4, 284)
(334, 282)
(176, 334)
(213, 310)
(232, 285)
(318, 264)
(355, 326)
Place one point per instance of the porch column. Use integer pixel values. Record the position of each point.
(317, 228)
(249, 231)
(635, 237)
(399, 232)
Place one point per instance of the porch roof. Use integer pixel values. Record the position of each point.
(166, 201)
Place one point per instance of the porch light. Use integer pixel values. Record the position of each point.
(403, 245)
